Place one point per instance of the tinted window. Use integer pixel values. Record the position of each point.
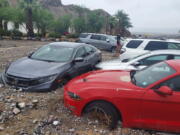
(83, 35)
(96, 37)
(156, 45)
(81, 52)
(134, 43)
(172, 83)
(153, 59)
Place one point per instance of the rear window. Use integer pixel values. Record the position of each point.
(83, 35)
(134, 43)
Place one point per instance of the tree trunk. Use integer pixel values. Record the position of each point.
(29, 24)
(5, 25)
(1, 24)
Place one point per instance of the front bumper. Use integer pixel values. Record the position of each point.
(47, 86)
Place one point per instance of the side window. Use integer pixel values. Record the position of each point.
(172, 83)
(156, 45)
(175, 46)
(81, 52)
(153, 59)
(134, 43)
(89, 50)
(96, 37)
(103, 38)
(177, 57)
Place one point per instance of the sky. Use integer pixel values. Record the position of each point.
(149, 16)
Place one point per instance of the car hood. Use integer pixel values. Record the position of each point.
(30, 68)
(115, 65)
(103, 79)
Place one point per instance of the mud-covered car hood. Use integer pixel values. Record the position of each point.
(30, 68)
(115, 65)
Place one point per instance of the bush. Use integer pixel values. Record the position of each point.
(73, 36)
(5, 33)
(16, 33)
(54, 35)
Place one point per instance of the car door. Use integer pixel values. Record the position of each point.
(80, 67)
(92, 57)
(160, 111)
(94, 40)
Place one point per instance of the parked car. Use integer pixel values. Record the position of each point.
(139, 62)
(51, 65)
(137, 47)
(101, 41)
(147, 99)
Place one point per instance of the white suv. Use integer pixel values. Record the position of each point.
(137, 47)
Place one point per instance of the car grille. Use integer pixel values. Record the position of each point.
(19, 81)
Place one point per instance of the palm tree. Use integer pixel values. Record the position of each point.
(112, 24)
(123, 22)
(29, 6)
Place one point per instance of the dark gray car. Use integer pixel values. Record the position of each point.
(51, 65)
(101, 41)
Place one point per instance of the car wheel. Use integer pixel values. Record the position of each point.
(104, 112)
(113, 49)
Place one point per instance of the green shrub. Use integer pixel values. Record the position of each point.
(16, 33)
(72, 35)
(54, 35)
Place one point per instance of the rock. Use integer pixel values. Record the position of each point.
(22, 105)
(1, 85)
(1, 128)
(16, 111)
(35, 121)
(55, 123)
(35, 101)
(72, 130)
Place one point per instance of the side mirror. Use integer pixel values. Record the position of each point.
(165, 90)
(79, 59)
(107, 40)
(136, 64)
(30, 54)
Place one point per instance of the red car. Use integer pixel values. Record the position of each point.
(148, 99)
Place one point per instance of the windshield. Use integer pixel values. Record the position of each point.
(152, 74)
(53, 53)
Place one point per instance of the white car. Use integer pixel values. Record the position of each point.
(141, 61)
(137, 47)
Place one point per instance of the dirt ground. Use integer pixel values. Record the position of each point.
(43, 113)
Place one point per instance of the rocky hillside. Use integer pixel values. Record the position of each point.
(58, 9)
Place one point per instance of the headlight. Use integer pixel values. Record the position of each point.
(47, 79)
(73, 96)
(123, 50)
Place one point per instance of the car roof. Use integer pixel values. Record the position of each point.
(156, 40)
(68, 44)
(169, 51)
(175, 64)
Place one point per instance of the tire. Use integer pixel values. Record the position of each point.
(105, 108)
(113, 49)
